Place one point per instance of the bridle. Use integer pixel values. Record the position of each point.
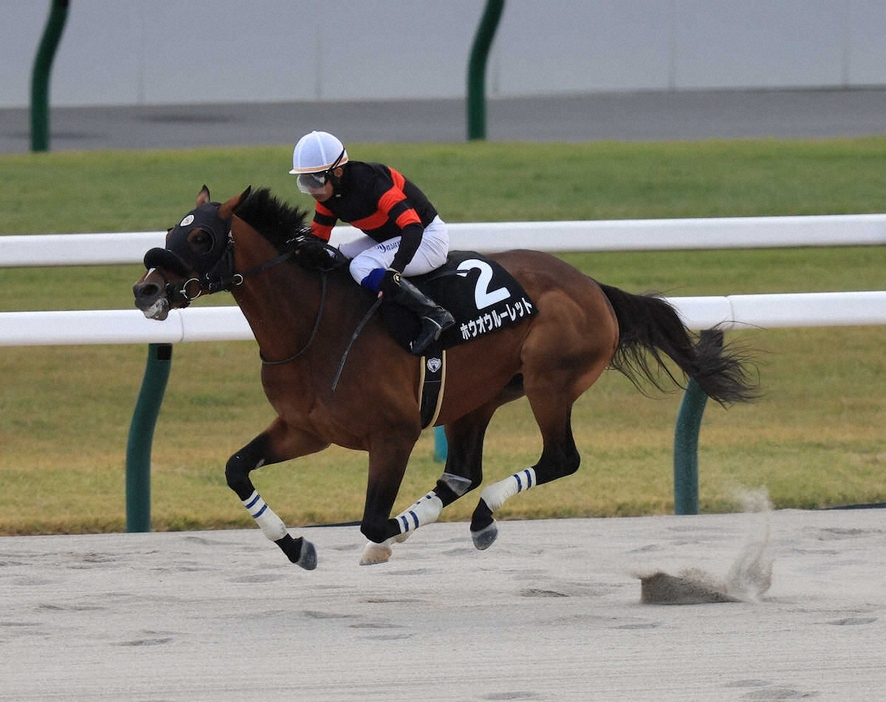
(220, 275)
(214, 267)
(223, 278)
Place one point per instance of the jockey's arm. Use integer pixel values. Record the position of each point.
(410, 240)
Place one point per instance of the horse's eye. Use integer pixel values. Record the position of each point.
(200, 241)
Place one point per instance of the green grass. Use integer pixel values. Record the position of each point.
(147, 190)
(814, 439)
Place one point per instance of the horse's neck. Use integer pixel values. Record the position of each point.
(268, 299)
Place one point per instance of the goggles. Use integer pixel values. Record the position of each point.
(309, 183)
(312, 182)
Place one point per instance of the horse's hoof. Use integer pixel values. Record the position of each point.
(485, 537)
(307, 559)
(375, 553)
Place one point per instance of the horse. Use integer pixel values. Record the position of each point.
(334, 374)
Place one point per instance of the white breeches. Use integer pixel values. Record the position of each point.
(367, 254)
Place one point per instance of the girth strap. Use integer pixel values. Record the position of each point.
(431, 384)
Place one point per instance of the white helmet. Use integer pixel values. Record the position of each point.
(317, 152)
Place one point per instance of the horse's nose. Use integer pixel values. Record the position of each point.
(149, 298)
(145, 291)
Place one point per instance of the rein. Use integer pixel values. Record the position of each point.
(335, 260)
(223, 277)
(232, 279)
(214, 282)
(323, 286)
(344, 357)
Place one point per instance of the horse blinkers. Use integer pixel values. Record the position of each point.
(199, 250)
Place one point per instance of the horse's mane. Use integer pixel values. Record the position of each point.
(273, 219)
(285, 228)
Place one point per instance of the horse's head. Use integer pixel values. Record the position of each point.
(198, 254)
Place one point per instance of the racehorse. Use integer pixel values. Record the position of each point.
(308, 316)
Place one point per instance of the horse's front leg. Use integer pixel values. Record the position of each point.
(388, 458)
(278, 443)
(464, 472)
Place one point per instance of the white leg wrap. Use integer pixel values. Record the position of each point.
(496, 494)
(270, 524)
(424, 511)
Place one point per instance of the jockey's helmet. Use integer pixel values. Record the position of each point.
(314, 157)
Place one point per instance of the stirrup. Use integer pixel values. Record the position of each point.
(430, 332)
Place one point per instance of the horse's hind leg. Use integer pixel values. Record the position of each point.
(277, 444)
(559, 458)
(558, 368)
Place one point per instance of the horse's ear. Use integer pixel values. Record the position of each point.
(228, 208)
(203, 197)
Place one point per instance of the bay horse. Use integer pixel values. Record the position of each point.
(304, 310)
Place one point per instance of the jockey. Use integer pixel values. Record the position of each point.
(403, 235)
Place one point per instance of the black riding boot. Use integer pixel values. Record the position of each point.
(434, 319)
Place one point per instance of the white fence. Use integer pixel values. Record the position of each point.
(227, 323)
(606, 235)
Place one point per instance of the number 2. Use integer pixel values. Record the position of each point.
(483, 297)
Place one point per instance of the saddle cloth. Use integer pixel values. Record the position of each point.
(481, 295)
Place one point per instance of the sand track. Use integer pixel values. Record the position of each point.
(551, 612)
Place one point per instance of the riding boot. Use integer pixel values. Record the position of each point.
(434, 319)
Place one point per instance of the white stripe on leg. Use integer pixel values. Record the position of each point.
(425, 510)
(270, 524)
(497, 494)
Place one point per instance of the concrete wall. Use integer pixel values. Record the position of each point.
(134, 52)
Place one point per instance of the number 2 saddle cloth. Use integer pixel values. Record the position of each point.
(482, 297)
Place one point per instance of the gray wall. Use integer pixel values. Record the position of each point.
(135, 52)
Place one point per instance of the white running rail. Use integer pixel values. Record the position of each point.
(605, 235)
(227, 323)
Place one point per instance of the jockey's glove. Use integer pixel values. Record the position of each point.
(316, 253)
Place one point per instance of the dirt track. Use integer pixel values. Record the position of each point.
(551, 612)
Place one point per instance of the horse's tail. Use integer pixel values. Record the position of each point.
(648, 325)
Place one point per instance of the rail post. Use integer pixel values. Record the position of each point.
(441, 446)
(686, 441)
(141, 436)
(477, 69)
(52, 34)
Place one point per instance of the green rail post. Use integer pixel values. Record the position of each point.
(477, 69)
(52, 34)
(141, 436)
(441, 446)
(686, 442)
(686, 449)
